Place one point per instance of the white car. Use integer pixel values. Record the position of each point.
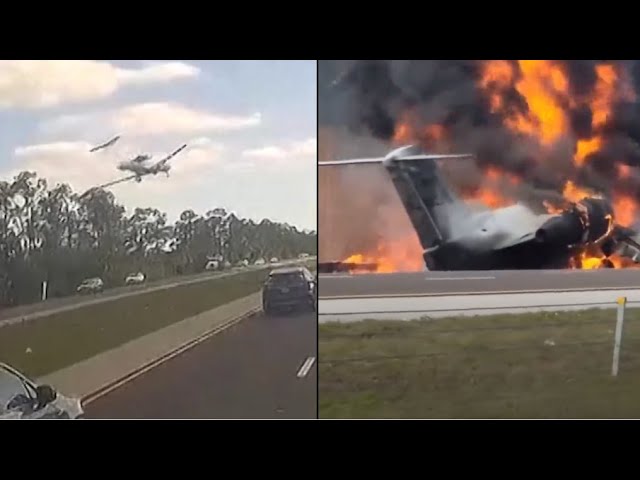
(135, 279)
(260, 261)
(91, 285)
(212, 265)
(21, 398)
(273, 260)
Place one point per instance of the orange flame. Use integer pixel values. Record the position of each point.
(624, 171)
(542, 83)
(399, 255)
(406, 132)
(586, 147)
(402, 134)
(601, 104)
(590, 262)
(604, 94)
(493, 192)
(574, 194)
(624, 210)
(496, 75)
(544, 86)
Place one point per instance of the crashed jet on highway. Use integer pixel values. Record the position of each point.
(454, 237)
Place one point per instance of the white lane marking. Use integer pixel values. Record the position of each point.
(435, 279)
(101, 392)
(306, 366)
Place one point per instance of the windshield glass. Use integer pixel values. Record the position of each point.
(295, 278)
(10, 387)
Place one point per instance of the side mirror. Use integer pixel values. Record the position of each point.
(45, 394)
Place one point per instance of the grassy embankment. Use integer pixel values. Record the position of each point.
(539, 365)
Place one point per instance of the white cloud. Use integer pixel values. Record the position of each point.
(266, 152)
(290, 152)
(160, 73)
(308, 147)
(155, 118)
(48, 83)
(161, 118)
(51, 148)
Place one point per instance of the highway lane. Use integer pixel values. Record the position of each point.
(56, 305)
(468, 283)
(259, 368)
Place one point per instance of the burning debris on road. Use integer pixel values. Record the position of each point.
(546, 134)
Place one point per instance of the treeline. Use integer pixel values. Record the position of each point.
(58, 236)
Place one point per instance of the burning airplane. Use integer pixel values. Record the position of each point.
(555, 153)
(454, 237)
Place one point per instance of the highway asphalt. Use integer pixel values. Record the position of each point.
(263, 367)
(333, 286)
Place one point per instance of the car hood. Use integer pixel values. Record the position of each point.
(62, 407)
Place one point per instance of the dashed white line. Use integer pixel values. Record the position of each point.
(306, 366)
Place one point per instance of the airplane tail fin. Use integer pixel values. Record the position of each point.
(428, 200)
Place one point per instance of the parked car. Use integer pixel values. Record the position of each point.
(21, 398)
(260, 261)
(273, 260)
(289, 288)
(135, 278)
(91, 285)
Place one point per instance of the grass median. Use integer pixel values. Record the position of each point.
(44, 345)
(538, 365)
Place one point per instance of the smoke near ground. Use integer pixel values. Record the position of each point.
(534, 124)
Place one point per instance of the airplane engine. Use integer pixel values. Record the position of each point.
(565, 229)
(586, 222)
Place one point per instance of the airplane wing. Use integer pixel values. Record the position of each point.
(407, 158)
(353, 162)
(628, 242)
(171, 155)
(106, 144)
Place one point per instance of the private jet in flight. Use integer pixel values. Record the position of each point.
(140, 167)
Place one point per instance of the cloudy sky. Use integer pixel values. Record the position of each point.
(250, 127)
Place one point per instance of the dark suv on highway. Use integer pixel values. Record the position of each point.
(289, 288)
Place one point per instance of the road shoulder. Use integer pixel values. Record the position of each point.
(94, 374)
